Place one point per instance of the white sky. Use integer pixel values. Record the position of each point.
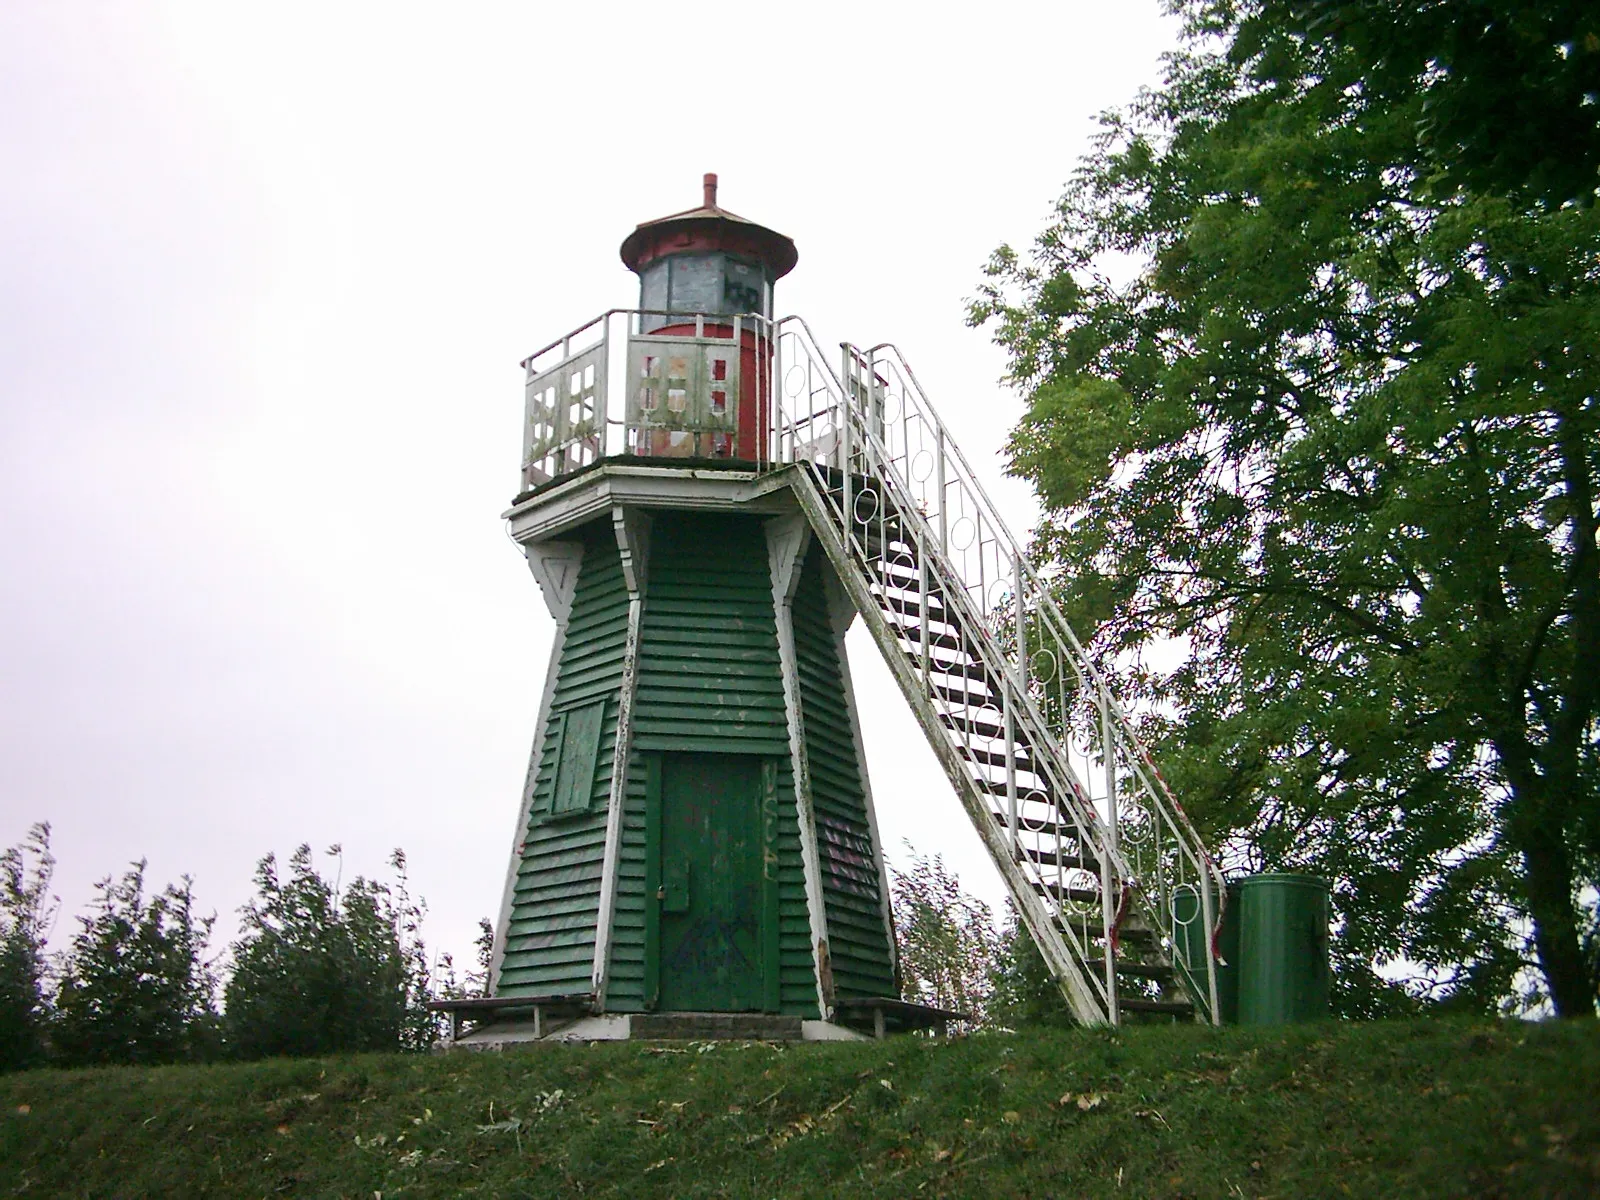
(266, 273)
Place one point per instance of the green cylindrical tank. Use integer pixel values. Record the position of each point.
(1283, 973)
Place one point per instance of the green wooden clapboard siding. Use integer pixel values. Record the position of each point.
(709, 680)
(556, 905)
(857, 941)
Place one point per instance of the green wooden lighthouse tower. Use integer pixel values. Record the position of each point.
(707, 503)
(697, 831)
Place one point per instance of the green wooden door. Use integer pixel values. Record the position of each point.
(712, 930)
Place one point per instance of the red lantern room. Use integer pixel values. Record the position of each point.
(704, 389)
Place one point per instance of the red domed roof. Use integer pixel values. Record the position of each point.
(709, 228)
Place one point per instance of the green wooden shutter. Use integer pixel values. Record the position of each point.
(575, 764)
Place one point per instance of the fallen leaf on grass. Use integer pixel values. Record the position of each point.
(549, 1100)
(282, 1131)
(1011, 1116)
(656, 1166)
(1084, 1100)
(807, 1123)
(509, 1125)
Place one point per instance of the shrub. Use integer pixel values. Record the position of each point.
(26, 914)
(135, 986)
(946, 939)
(320, 972)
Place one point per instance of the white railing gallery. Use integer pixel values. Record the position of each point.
(1086, 816)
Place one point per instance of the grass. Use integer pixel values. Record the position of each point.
(1425, 1108)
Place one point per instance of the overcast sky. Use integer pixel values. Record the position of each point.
(266, 273)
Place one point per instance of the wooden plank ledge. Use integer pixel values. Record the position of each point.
(483, 1007)
(889, 1014)
(473, 1004)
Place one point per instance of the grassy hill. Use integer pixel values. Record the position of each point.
(1392, 1110)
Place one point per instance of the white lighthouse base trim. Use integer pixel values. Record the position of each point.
(827, 1031)
(498, 1035)
(609, 1027)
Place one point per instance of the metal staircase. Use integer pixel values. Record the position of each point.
(1103, 866)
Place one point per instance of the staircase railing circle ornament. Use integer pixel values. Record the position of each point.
(1043, 665)
(794, 380)
(905, 567)
(870, 497)
(1034, 824)
(962, 531)
(1000, 597)
(1135, 823)
(1079, 879)
(922, 465)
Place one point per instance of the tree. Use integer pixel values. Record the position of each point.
(320, 972)
(135, 986)
(27, 911)
(1509, 89)
(479, 979)
(1319, 447)
(1024, 992)
(946, 939)
(476, 982)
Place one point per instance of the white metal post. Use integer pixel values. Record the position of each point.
(1107, 906)
(602, 397)
(1207, 911)
(1022, 624)
(846, 438)
(1011, 773)
(922, 600)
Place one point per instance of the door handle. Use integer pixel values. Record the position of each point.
(675, 886)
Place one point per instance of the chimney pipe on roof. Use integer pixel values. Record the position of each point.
(711, 189)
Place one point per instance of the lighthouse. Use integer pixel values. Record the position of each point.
(708, 501)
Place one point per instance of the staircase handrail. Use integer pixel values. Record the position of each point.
(1116, 727)
(1045, 603)
(1055, 770)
